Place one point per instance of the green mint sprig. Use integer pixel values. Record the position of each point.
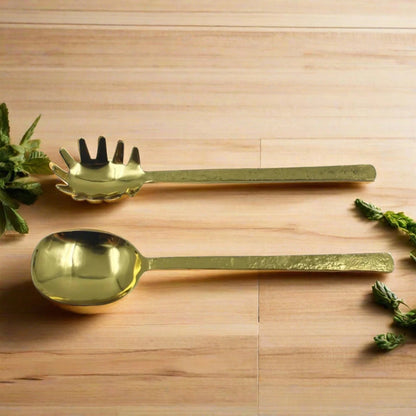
(17, 163)
(381, 293)
(369, 210)
(385, 297)
(389, 341)
(405, 320)
(397, 220)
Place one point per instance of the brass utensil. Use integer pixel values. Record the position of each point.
(85, 270)
(97, 180)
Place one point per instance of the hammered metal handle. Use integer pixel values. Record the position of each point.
(345, 173)
(364, 262)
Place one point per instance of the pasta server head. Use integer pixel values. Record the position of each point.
(97, 180)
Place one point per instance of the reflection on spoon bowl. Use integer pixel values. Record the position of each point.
(82, 270)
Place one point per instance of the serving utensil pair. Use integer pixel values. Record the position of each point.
(87, 270)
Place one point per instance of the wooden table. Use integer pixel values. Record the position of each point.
(211, 85)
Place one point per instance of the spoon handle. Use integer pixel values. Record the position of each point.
(365, 262)
(345, 173)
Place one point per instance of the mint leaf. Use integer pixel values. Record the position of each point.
(369, 210)
(389, 341)
(4, 139)
(4, 120)
(405, 320)
(30, 145)
(6, 200)
(37, 163)
(384, 296)
(26, 137)
(6, 153)
(399, 220)
(16, 220)
(6, 174)
(24, 192)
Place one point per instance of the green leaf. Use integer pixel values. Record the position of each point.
(18, 161)
(7, 200)
(4, 120)
(24, 192)
(6, 175)
(384, 296)
(6, 153)
(26, 137)
(16, 220)
(405, 320)
(411, 227)
(2, 220)
(398, 220)
(18, 150)
(4, 139)
(31, 145)
(389, 341)
(412, 238)
(369, 210)
(37, 163)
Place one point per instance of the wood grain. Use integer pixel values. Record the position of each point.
(316, 331)
(263, 13)
(245, 85)
(166, 345)
(213, 85)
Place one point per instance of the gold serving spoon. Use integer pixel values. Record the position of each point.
(85, 270)
(97, 180)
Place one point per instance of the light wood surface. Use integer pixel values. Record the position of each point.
(213, 85)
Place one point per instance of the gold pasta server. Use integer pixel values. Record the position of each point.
(99, 179)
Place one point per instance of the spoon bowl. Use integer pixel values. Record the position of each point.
(86, 271)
